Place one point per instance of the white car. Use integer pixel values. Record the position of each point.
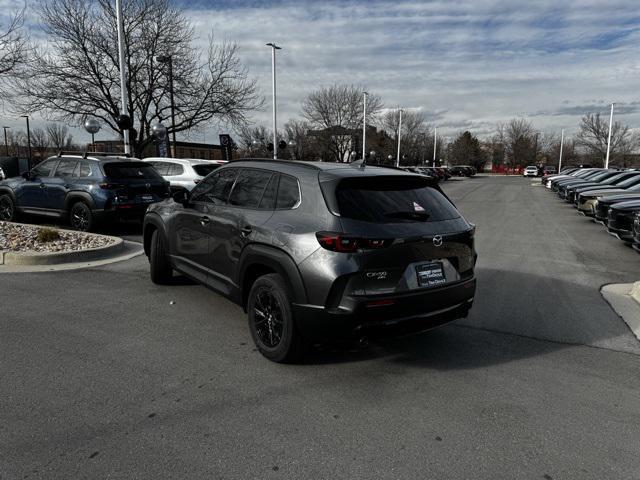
(183, 173)
(530, 171)
(2, 175)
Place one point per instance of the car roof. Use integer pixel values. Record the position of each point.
(185, 161)
(100, 159)
(337, 169)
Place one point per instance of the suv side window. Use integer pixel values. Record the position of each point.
(268, 201)
(288, 193)
(83, 170)
(44, 169)
(65, 168)
(215, 188)
(174, 170)
(161, 167)
(249, 188)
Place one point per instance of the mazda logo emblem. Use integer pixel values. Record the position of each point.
(437, 240)
(148, 185)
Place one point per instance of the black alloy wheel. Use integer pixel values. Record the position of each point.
(80, 217)
(271, 320)
(7, 208)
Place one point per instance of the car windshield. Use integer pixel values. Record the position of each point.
(392, 200)
(131, 170)
(629, 182)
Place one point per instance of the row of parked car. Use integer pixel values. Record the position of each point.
(443, 173)
(610, 196)
(91, 189)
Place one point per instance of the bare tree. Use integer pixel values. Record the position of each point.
(40, 142)
(300, 144)
(593, 136)
(253, 142)
(417, 138)
(14, 47)
(78, 77)
(59, 136)
(519, 139)
(336, 113)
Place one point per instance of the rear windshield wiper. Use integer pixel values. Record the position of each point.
(407, 215)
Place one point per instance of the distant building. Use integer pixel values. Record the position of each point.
(204, 151)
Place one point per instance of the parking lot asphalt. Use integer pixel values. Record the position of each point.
(105, 375)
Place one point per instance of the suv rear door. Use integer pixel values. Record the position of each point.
(60, 183)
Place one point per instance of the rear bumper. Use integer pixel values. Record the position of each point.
(412, 312)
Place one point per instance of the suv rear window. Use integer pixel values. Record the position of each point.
(392, 200)
(203, 170)
(131, 170)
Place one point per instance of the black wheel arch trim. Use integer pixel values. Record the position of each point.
(152, 219)
(72, 197)
(277, 260)
(8, 191)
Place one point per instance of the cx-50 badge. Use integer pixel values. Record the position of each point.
(437, 240)
(377, 275)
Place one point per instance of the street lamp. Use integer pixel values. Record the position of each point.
(6, 144)
(561, 146)
(292, 146)
(364, 126)
(399, 137)
(606, 162)
(435, 141)
(28, 139)
(274, 47)
(169, 60)
(159, 132)
(92, 126)
(123, 73)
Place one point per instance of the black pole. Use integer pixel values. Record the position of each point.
(173, 113)
(29, 141)
(6, 145)
(93, 143)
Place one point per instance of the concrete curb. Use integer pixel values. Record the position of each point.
(54, 258)
(624, 298)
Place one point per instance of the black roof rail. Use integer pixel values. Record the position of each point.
(71, 152)
(284, 162)
(107, 154)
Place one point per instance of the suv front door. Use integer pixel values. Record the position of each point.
(191, 230)
(32, 193)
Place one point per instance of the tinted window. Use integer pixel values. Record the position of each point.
(630, 181)
(203, 170)
(44, 169)
(175, 169)
(392, 200)
(268, 201)
(131, 170)
(288, 192)
(161, 167)
(65, 168)
(249, 187)
(215, 188)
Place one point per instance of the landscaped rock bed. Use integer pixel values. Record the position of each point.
(16, 237)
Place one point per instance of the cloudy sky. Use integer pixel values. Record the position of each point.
(467, 64)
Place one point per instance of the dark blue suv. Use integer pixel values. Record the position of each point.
(83, 189)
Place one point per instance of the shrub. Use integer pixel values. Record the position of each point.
(46, 235)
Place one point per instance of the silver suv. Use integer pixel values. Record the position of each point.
(314, 251)
(183, 173)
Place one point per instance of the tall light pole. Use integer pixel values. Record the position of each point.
(435, 140)
(123, 74)
(169, 61)
(28, 140)
(6, 144)
(364, 125)
(399, 137)
(561, 145)
(274, 47)
(606, 162)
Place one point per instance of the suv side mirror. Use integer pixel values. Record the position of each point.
(183, 197)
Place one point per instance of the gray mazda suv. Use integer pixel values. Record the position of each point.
(318, 251)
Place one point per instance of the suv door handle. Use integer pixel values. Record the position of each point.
(204, 220)
(42, 185)
(246, 231)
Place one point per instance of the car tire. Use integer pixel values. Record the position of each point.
(271, 320)
(7, 208)
(81, 217)
(159, 267)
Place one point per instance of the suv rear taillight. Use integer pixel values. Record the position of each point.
(338, 242)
